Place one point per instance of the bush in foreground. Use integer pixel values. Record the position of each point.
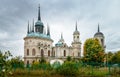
(68, 69)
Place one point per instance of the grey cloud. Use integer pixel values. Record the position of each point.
(14, 15)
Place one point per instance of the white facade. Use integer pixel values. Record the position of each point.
(38, 44)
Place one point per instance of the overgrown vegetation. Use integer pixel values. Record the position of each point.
(14, 67)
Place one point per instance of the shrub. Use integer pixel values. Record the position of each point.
(68, 69)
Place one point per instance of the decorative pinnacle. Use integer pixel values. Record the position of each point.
(61, 35)
(76, 26)
(98, 28)
(33, 26)
(28, 27)
(48, 30)
(39, 17)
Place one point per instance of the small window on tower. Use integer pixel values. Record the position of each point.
(77, 36)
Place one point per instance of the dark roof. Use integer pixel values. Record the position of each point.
(99, 34)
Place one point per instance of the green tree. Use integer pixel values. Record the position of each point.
(68, 69)
(109, 56)
(17, 62)
(93, 51)
(69, 58)
(5, 66)
(116, 57)
(42, 60)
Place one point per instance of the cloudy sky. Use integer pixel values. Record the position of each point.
(61, 15)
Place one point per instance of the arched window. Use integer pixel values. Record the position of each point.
(27, 51)
(77, 36)
(27, 61)
(33, 52)
(64, 53)
(42, 53)
(48, 52)
(102, 41)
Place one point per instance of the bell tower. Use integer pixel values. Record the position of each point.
(76, 44)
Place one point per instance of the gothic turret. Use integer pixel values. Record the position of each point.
(39, 25)
(76, 34)
(33, 26)
(100, 36)
(76, 44)
(48, 30)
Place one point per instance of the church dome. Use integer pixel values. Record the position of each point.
(99, 34)
(59, 44)
(76, 32)
(38, 23)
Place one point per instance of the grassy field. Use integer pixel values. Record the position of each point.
(83, 72)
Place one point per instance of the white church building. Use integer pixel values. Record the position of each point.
(38, 43)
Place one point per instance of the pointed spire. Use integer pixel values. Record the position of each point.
(76, 26)
(61, 35)
(44, 31)
(28, 28)
(61, 40)
(98, 28)
(39, 17)
(48, 30)
(33, 26)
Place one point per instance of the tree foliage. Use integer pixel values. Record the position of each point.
(116, 58)
(69, 58)
(17, 62)
(5, 66)
(109, 56)
(93, 51)
(69, 69)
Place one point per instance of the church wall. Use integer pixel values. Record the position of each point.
(33, 43)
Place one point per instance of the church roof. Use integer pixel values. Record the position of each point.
(76, 31)
(38, 23)
(36, 34)
(99, 34)
(59, 44)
